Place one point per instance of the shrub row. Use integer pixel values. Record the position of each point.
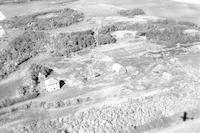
(60, 18)
(64, 103)
(11, 101)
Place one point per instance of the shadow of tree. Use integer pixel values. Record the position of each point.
(62, 83)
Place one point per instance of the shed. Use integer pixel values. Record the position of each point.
(118, 68)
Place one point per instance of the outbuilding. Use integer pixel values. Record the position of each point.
(2, 32)
(118, 68)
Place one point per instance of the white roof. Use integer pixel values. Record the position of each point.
(51, 81)
(2, 17)
(2, 32)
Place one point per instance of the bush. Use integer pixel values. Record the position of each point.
(35, 69)
(131, 12)
(60, 18)
(106, 39)
(59, 104)
(24, 93)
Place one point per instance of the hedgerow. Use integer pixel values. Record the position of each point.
(60, 18)
(21, 49)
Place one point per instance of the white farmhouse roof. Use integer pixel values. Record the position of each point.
(2, 32)
(51, 81)
(2, 17)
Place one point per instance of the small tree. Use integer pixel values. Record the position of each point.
(35, 69)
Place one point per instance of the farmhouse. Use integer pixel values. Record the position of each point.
(52, 84)
(2, 17)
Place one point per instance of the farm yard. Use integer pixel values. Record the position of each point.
(77, 66)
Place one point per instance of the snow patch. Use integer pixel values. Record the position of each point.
(188, 1)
